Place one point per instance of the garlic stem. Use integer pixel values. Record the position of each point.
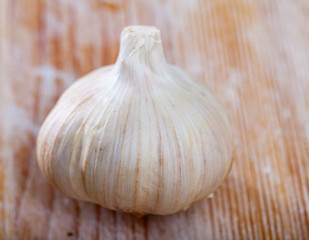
(140, 46)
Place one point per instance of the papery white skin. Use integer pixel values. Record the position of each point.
(140, 136)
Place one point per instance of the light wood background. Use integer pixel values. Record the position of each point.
(254, 55)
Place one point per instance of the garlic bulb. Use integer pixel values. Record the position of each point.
(140, 136)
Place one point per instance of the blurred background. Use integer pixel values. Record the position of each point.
(253, 54)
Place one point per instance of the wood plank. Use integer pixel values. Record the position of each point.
(252, 54)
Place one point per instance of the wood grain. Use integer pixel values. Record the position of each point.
(253, 55)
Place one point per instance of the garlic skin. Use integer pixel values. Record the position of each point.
(140, 136)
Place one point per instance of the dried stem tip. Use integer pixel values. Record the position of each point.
(140, 43)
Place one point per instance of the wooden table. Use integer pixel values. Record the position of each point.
(254, 55)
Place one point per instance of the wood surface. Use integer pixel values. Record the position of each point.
(254, 56)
